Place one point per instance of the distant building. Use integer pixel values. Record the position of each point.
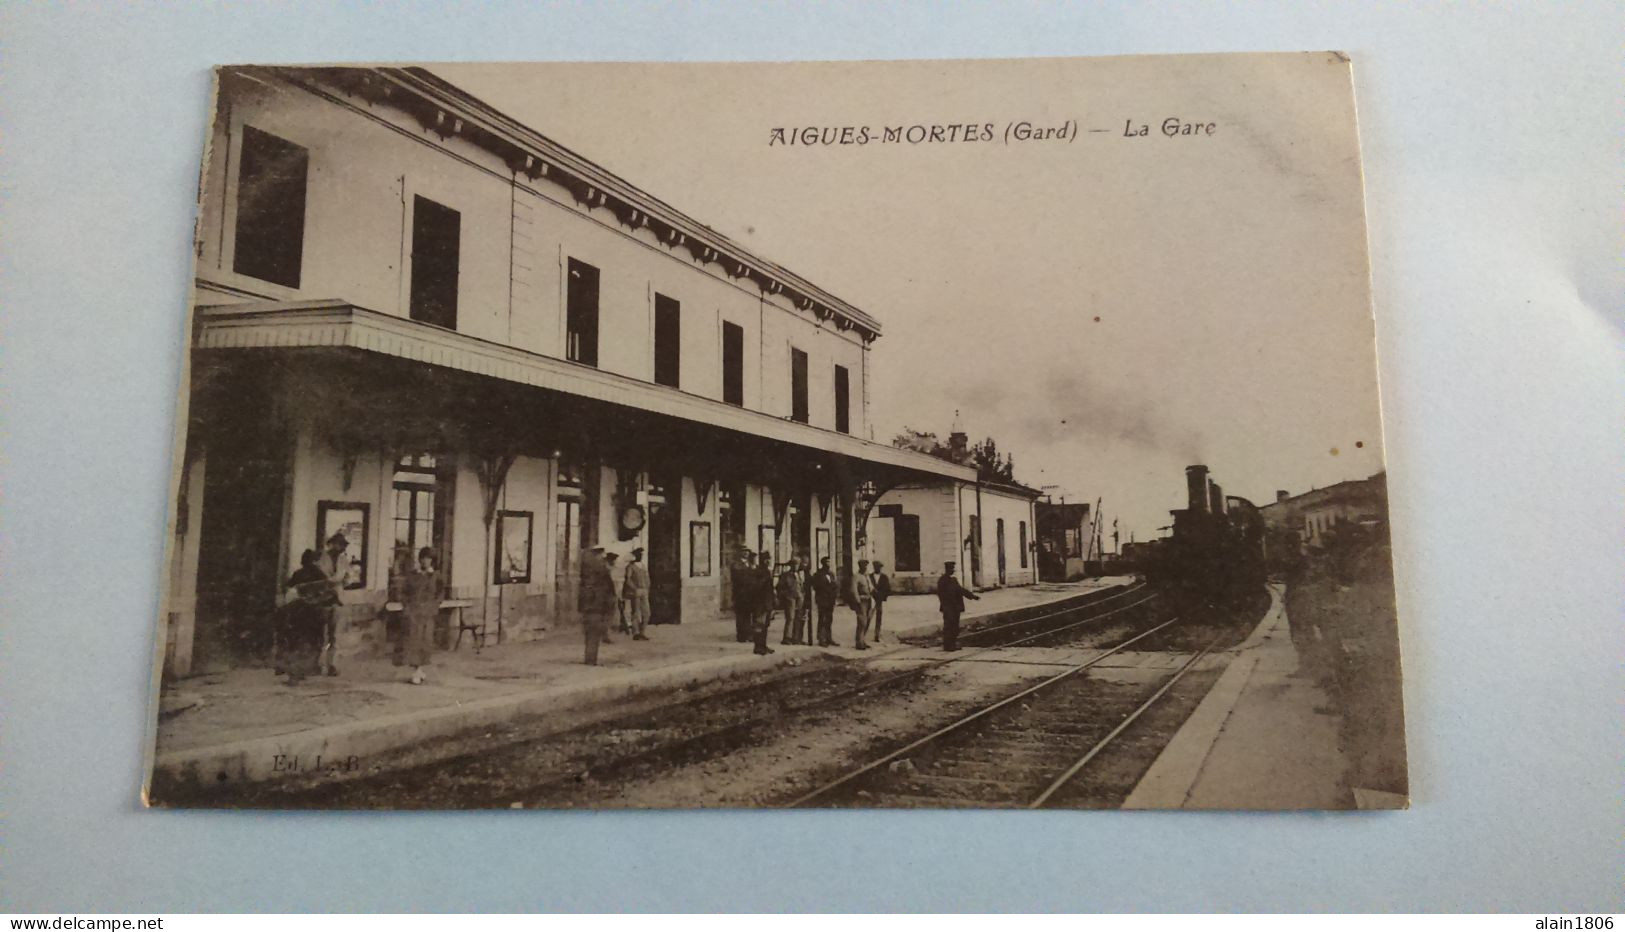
(1295, 524)
(1064, 535)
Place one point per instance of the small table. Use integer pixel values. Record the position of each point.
(476, 629)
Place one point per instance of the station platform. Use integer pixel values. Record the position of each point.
(1264, 737)
(239, 726)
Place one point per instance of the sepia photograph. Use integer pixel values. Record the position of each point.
(908, 434)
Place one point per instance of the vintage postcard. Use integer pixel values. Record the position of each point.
(861, 434)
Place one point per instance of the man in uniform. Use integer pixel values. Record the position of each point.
(596, 601)
(951, 599)
(635, 593)
(762, 608)
(744, 577)
(882, 593)
(824, 590)
(863, 602)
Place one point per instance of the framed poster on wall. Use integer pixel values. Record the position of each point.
(699, 548)
(514, 533)
(348, 520)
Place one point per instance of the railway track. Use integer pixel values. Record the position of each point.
(606, 764)
(738, 731)
(1023, 751)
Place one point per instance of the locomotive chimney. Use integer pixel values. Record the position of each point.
(1215, 498)
(1281, 496)
(1196, 485)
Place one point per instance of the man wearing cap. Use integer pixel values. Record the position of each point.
(882, 592)
(791, 590)
(761, 588)
(596, 601)
(743, 578)
(635, 594)
(335, 565)
(863, 602)
(951, 599)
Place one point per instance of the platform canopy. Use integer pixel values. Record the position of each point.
(395, 376)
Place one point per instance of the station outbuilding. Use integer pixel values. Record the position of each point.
(986, 527)
(1065, 537)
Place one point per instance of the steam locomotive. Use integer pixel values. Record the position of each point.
(1214, 559)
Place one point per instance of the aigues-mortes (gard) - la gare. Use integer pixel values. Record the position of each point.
(921, 133)
(1015, 131)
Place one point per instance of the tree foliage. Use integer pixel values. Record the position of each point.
(984, 456)
(989, 465)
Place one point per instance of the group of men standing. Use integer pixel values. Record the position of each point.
(801, 595)
(807, 599)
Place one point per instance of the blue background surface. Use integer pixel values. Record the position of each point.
(1493, 164)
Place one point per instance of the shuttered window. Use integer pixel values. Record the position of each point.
(270, 237)
(906, 543)
(668, 340)
(436, 256)
(798, 386)
(581, 314)
(843, 400)
(733, 364)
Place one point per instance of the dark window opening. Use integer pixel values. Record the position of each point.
(270, 241)
(668, 340)
(1021, 540)
(843, 417)
(733, 364)
(414, 487)
(581, 323)
(436, 241)
(798, 386)
(906, 543)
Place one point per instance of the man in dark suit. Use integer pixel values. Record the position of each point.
(744, 577)
(825, 590)
(882, 591)
(951, 599)
(762, 606)
(595, 600)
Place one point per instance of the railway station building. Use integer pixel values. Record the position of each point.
(420, 323)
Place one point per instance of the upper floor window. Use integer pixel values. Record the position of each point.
(668, 340)
(436, 254)
(581, 314)
(270, 242)
(733, 364)
(798, 386)
(843, 401)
